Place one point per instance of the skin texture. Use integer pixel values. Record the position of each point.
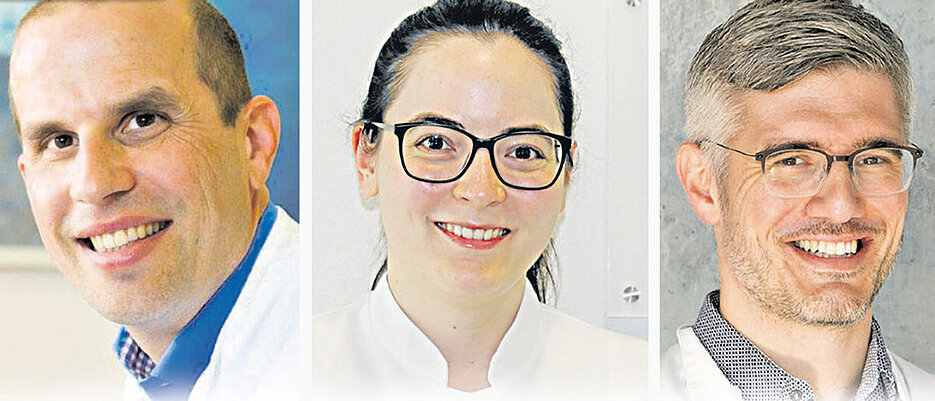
(783, 299)
(464, 299)
(118, 130)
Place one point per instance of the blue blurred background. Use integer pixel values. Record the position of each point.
(270, 39)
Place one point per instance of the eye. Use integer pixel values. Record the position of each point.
(526, 153)
(143, 125)
(790, 161)
(142, 120)
(433, 142)
(62, 141)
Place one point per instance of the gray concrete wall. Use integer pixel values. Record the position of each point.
(687, 260)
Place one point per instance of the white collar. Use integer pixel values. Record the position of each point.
(405, 341)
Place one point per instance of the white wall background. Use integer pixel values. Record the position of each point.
(54, 346)
(602, 240)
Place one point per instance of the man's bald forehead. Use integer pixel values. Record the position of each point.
(219, 59)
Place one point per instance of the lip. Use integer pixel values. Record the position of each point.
(842, 265)
(127, 256)
(478, 244)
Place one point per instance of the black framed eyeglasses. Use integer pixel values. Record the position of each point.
(439, 153)
(877, 170)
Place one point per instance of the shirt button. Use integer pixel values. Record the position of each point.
(795, 395)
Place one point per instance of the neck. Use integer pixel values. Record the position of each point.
(830, 358)
(153, 342)
(466, 331)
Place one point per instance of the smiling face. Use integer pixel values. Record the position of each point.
(763, 237)
(488, 87)
(140, 193)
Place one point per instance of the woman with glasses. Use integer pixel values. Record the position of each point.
(466, 142)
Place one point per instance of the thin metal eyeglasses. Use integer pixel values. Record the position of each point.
(526, 159)
(878, 170)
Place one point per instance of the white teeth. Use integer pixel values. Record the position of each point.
(828, 249)
(120, 238)
(108, 241)
(96, 241)
(478, 234)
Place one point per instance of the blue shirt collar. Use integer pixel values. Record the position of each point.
(190, 352)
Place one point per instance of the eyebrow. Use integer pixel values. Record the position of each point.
(154, 98)
(773, 147)
(861, 144)
(437, 119)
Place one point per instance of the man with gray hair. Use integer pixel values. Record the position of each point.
(775, 97)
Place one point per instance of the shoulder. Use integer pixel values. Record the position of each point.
(256, 352)
(579, 333)
(919, 384)
(340, 325)
(687, 372)
(673, 384)
(573, 344)
(343, 342)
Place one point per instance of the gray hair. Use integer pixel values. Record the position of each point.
(769, 44)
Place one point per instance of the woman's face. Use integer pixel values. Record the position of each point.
(488, 87)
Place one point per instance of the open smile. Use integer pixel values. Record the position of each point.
(830, 249)
(477, 233)
(119, 239)
(476, 237)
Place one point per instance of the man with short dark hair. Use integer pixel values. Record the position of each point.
(798, 117)
(145, 158)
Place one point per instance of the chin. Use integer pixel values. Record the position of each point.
(830, 308)
(477, 282)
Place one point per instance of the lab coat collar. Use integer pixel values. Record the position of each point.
(405, 341)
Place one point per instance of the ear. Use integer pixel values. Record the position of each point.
(263, 124)
(21, 165)
(697, 177)
(364, 155)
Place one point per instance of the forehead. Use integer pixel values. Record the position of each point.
(117, 48)
(491, 78)
(837, 110)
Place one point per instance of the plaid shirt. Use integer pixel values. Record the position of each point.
(134, 359)
(759, 378)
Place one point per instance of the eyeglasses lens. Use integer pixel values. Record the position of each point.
(523, 160)
(876, 171)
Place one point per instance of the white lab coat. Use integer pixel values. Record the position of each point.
(370, 350)
(256, 356)
(689, 373)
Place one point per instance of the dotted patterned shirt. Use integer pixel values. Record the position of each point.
(759, 378)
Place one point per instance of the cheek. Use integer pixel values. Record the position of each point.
(892, 210)
(539, 210)
(48, 197)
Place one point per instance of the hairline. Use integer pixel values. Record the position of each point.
(48, 8)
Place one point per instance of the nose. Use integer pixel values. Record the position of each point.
(101, 171)
(838, 200)
(479, 185)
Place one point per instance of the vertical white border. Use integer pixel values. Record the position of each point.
(652, 231)
(305, 196)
